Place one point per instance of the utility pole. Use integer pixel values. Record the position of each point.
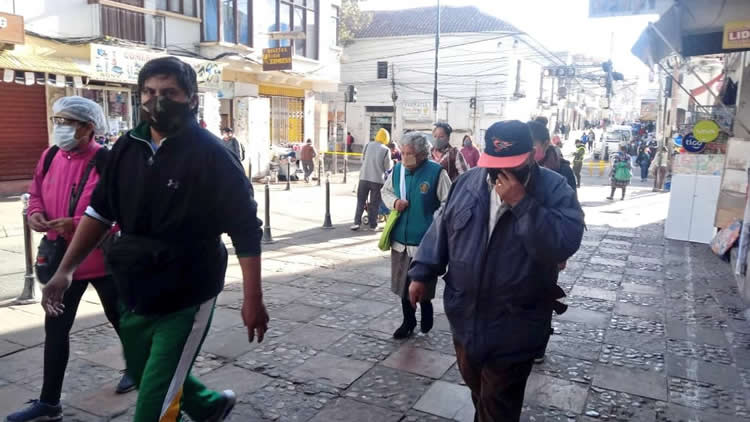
(437, 50)
(476, 93)
(394, 97)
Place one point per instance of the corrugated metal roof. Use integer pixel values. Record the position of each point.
(32, 63)
(422, 21)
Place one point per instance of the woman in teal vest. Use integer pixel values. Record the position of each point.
(416, 187)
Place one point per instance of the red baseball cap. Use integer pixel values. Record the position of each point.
(507, 145)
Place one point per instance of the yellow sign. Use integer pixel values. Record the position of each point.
(279, 58)
(706, 131)
(736, 35)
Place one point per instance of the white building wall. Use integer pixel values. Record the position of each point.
(56, 18)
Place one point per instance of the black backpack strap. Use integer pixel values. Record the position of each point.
(76, 194)
(48, 157)
(100, 159)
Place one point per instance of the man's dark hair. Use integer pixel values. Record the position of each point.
(183, 72)
(539, 132)
(446, 128)
(309, 141)
(227, 130)
(541, 119)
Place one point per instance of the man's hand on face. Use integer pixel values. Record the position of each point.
(509, 188)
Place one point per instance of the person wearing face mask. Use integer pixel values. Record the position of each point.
(449, 157)
(547, 155)
(501, 234)
(470, 152)
(65, 178)
(416, 187)
(173, 189)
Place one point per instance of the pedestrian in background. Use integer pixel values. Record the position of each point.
(470, 152)
(65, 178)
(395, 152)
(232, 143)
(619, 174)
(376, 161)
(307, 155)
(592, 138)
(549, 156)
(443, 153)
(501, 234)
(416, 187)
(644, 162)
(660, 168)
(172, 201)
(578, 161)
(349, 141)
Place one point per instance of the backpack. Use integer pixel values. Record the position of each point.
(100, 159)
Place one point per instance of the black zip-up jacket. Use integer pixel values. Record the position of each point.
(184, 195)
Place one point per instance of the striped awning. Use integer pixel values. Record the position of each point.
(32, 63)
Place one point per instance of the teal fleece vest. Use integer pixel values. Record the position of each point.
(421, 192)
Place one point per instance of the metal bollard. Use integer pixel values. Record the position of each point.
(346, 166)
(267, 238)
(288, 175)
(327, 221)
(29, 284)
(320, 167)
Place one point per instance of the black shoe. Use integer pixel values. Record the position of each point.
(226, 408)
(427, 317)
(125, 385)
(404, 331)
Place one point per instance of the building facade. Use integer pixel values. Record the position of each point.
(96, 48)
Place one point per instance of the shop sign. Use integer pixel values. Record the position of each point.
(116, 64)
(706, 131)
(279, 58)
(736, 35)
(11, 29)
(692, 145)
(416, 111)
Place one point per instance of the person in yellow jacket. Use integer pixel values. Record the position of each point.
(376, 160)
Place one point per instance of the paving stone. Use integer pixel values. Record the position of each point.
(706, 396)
(283, 400)
(640, 299)
(706, 352)
(636, 325)
(577, 330)
(420, 361)
(588, 303)
(80, 376)
(583, 316)
(620, 244)
(331, 370)
(71, 414)
(356, 346)
(103, 401)
(237, 379)
(324, 300)
(606, 261)
(532, 412)
(632, 381)
(565, 367)
(439, 341)
(388, 388)
(206, 362)
(344, 409)
(702, 320)
(603, 404)
(447, 400)
(632, 357)
(22, 365)
(454, 376)
(278, 327)
(550, 391)
(229, 343)
(275, 359)
(417, 416)
(343, 320)
(111, 357)
(645, 260)
(244, 412)
(697, 370)
(605, 249)
(573, 347)
(6, 347)
(93, 340)
(645, 312)
(349, 289)
(366, 307)
(653, 344)
(592, 292)
(13, 397)
(383, 294)
(300, 313)
(649, 274)
(387, 322)
(677, 413)
(642, 289)
(603, 275)
(740, 346)
(314, 336)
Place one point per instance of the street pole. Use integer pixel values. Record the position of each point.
(394, 97)
(321, 160)
(288, 174)
(327, 220)
(28, 294)
(437, 49)
(476, 93)
(267, 238)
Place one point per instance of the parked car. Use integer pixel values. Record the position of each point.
(610, 141)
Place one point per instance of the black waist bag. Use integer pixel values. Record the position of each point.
(148, 272)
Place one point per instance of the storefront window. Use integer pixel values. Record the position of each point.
(116, 106)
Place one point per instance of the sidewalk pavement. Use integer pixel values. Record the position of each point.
(654, 332)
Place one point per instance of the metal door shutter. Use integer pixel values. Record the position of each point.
(23, 129)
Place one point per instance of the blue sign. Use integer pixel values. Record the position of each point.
(677, 140)
(692, 145)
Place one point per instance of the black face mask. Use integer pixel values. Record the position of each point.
(521, 174)
(166, 116)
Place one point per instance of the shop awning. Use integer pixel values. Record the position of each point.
(32, 63)
(692, 27)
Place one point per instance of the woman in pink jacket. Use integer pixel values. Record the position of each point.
(75, 120)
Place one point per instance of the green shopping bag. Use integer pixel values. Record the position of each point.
(622, 172)
(385, 237)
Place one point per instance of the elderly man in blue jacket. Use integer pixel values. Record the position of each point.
(504, 229)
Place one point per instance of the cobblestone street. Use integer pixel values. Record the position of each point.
(655, 332)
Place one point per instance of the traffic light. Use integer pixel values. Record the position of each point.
(351, 94)
(473, 102)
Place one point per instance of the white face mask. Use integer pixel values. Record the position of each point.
(64, 137)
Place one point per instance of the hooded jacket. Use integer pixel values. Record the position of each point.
(500, 287)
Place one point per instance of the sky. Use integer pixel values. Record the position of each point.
(560, 25)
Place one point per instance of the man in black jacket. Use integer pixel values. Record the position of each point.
(549, 156)
(173, 189)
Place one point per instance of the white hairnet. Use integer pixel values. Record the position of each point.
(81, 109)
